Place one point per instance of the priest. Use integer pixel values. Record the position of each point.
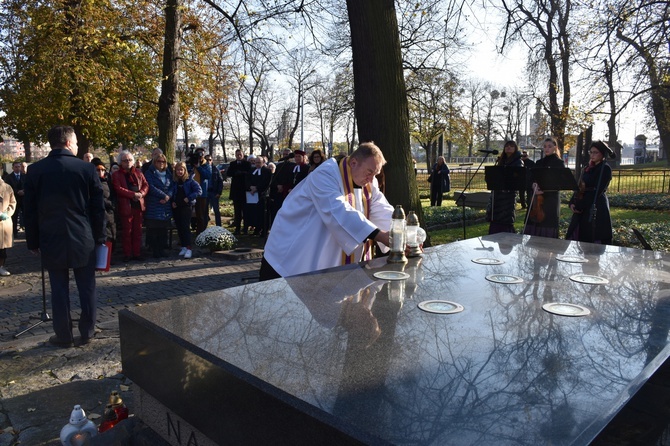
(339, 212)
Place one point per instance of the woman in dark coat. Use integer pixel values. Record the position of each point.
(110, 219)
(587, 226)
(500, 211)
(544, 211)
(439, 181)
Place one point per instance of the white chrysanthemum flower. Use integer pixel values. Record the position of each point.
(216, 238)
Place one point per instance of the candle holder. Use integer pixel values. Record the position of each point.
(415, 235)
(397, 237)
(79, 430)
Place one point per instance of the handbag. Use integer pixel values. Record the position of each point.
(430, 178)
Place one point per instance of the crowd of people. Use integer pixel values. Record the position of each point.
(340, 200)
(157, 196)
(258, 188)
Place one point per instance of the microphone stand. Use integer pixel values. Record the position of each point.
(44, 316)
(462, 198)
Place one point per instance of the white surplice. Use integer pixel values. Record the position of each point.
(316, 224)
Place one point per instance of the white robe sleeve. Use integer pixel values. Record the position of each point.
(316, 224)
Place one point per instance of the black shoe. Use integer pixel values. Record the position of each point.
(55, 340)
(127, 259)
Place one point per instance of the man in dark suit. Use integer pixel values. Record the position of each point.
(65, 220)
(16, 180)
(237, 172)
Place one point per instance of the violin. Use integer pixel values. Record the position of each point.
(537, 209)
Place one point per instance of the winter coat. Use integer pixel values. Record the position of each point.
(124, 194)
(157, 192)
(110, 220)
(192, 190)
(63, 209)
(7, 205)
(600, 228)
(500, 209)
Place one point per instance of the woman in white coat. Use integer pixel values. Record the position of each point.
(7, 207)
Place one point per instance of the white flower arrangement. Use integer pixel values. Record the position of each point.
(216, 238)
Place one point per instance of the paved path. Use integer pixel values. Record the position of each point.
(39, 383)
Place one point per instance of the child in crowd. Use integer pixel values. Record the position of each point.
(182, 205)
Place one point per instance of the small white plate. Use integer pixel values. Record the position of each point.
(504, 278)
(571, 259)
(589, 280)
(391, 275)
(441, 306)
(563, 309)
(487, 261)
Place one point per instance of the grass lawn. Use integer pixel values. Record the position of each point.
(646, 220)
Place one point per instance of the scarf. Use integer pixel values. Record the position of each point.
(350, 197)
(591, 166)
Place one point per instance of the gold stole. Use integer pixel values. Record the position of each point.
(350, 197)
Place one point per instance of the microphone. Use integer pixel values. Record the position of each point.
(289, 156)
(492, 152)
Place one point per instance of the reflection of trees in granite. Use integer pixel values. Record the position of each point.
(527, 372)
(502, 372)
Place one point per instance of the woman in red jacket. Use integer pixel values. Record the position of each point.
(131, 187)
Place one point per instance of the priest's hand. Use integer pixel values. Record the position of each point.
(383, 237)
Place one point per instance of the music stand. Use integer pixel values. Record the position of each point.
(553, 179)
(505, 178)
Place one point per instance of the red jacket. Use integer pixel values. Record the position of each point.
(124, 195)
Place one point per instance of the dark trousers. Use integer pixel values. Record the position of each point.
(182, 220)
(157, 238)
(17, 217)
(201, 214)
(214, 203)
(436, 196)
(60, 300)
(238, 208)
(267, 272)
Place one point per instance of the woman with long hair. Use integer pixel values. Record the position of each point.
(544, 211)
(500, 211)
(183, 200)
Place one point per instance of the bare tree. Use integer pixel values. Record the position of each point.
(643, 26)
(543, 26)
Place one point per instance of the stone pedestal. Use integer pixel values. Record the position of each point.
(341, 357)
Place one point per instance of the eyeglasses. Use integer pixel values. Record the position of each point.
(594, 152)
(159, 162)
(127, 160)
(101, 169)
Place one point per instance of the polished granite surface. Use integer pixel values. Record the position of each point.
(359, 354)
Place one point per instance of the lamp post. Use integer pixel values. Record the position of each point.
(302, 122)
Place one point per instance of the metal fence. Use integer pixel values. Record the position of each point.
(624, 181)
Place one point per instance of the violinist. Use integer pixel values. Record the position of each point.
(591, 220)
(544, 210)
(500, 211)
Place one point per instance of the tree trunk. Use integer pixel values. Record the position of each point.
(26, 149)
(168, 103)
(380, 95)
